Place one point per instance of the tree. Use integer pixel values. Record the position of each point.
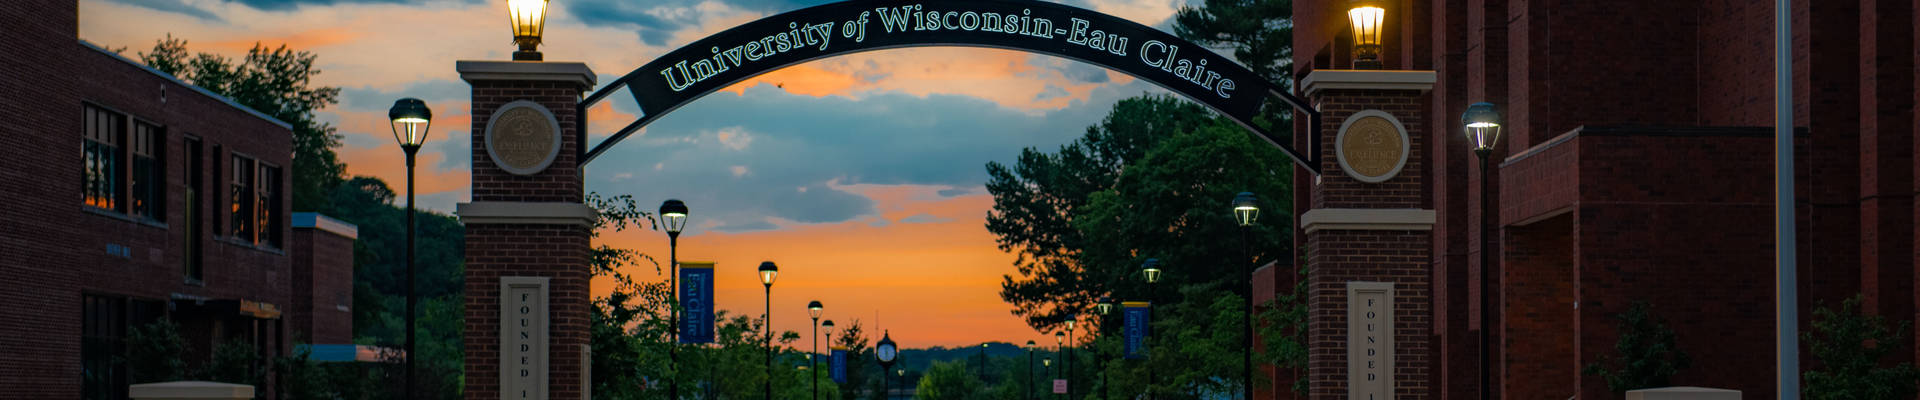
(1853, 347)
(156, 352)
(949, 381)
(1037, 200)
(277, 82)
(1649, 352)
(1260, 32)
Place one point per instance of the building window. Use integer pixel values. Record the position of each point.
(105, 322)
(241, 198)
(102, 158)
(149, 178)
(194, 211)
(268, 203)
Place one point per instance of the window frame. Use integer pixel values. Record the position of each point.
(240, 224)
(154, 208)
(267, 199)
(115, 197)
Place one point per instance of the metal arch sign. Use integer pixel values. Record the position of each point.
(775, 42)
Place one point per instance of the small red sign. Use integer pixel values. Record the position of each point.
(1060, 386)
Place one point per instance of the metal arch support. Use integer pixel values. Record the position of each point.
(743, 52)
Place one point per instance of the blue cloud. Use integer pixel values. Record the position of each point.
(767, 154)
(434, 92)
(924, 218)
(654, 21)
(173, 6)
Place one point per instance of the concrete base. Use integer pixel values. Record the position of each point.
(1683, 393)
(190, 390)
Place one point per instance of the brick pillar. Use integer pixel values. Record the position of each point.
(527, 220)
(1369, 229)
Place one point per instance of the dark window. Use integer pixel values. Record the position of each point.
(101, 158)
(196, 229)
(242, 200)
(268, 205)
(149, 177)
(103, 334)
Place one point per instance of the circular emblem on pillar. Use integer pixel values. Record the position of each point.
(523, 137)
(1372, 146)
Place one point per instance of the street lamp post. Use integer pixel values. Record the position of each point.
(1482, 124)
(674, 214)
(813, 309)
(1048, 364)
(1150, 270)
(983, 362)
(410, 118)
(1071, 320)
(1030, 346)
(1246, 210)
(767, 272)
(1104, 307)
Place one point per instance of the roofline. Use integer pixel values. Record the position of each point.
(312, 220)
(204, 91)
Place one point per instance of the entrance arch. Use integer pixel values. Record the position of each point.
(768, 44)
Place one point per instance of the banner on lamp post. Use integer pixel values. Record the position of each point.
(1136, 328)
(838, 365)
(696, 302)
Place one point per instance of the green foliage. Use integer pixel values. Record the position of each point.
(950, 381)
(235, 362)
(277, 82)
(156, 353)
(1260, 32)
(1282, 325)
(1081, 226)
(1853, 348)
(1649, 352)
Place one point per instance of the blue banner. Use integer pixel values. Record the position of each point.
(696, 302)
(1136, 329)
(839, 365)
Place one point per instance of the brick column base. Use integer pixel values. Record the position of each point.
(529, 222)
(1367, 232)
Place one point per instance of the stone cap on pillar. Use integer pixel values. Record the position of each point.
(184, 390)
(497, 212)
(1366, 79)
(572, 72)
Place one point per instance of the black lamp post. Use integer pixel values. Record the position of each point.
(1071, 320)
(885, 352)
(1048, 364)
(983, 362)
(1150, 270)
(828, 326)
(1246, 210)
(813, 309)
(768, 271)
(410, 118)
(674, 215)
(1104, 307)
(1030, 346)
(1482, 124)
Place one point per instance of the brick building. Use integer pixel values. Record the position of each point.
(1636, 165)
(131, 197)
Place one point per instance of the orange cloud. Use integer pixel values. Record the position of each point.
(930, 283)
(303, 40)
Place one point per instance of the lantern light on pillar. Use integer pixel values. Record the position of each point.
(1368, 19)
(529, 18)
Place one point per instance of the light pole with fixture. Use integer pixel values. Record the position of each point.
(1150, 270)
(1104, 307)
(1482, 123)
(674, 213)
(983, 362)
(1246, 210)
(1030, 346)
(1071, 320)
(813, 309)
(410, 118)
(768, 271)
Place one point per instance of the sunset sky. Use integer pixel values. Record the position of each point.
(860, 175)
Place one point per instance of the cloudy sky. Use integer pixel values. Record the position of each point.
(861, 175)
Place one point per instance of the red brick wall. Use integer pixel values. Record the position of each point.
(1537, 306)
(322, 280)
(1335, 257)
(39, 280)
(556, 251)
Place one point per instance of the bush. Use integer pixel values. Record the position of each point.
(1850, 346)
(1649, 352)
(155, 353)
